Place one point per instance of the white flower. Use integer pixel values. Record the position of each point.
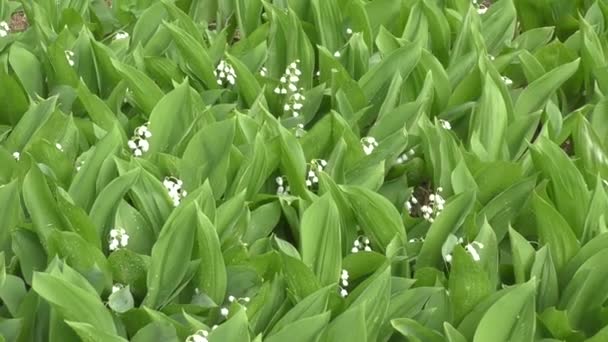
(59, 147)
(117, 287)
(263, 72)
(16, 155)
(337, 54)
(430, 209)
(470, 248)
(299, 131)
(121, 35)
(482, 9)
(225, 74)
(349, 31)
(4, 29)
(143, 131)
(361, 243)
(289, 87)
(448, 258)
(174, 189)
(224, 312)
(199, 336)
(312, 176)
(507, 81)
(69, 55)
(445, 124)
(343, 293)
(369, 144)
(282, 186)
(118, 238)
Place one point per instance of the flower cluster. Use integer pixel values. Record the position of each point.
(69, 55)
(369, 144)
(233, 299)
(432, 207)
(470, 248)
(343, 283)
(289, 87)
(139, 142)
(282, 186)
(118, 238)
(316, 166)
(224, 73)
(445, 124)
(117, 287)
(4, 29)
(121, 35)
(481, 8)
(362, 243)
(174, 188)
(199, 336)
(299, 130)
(405, 157)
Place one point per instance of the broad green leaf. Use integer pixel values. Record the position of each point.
(511, 318)
(468, 283)
(170, 255)
(321, 241)
(539, 91)
(75, 303)
(212, 271)
(554, 232)
(89, 333)
(376, 216)
(445, 224)
(569, 190)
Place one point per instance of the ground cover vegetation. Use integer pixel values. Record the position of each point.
(303, 170)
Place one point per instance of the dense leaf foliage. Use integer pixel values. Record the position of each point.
(303, 170)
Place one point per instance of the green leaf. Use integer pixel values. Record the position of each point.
(511, 318)
(212, 271)
(207, 156)
(321, 241)
(89, 333)
(314, 304)
(35, 117)
(74, 302)
(146, 93)
(106, 204)
(41, 205)
(569, 190)
(415, 331)
(544, 270)
(83, 186)
(235, 329)
(376, 216)
(539, 91)
(523, 256)
(170, 119)
(304, 330)
(554, 231)
(195, 54)
(445, 224)
(468, 283)
(170, 255)
(402, 60)
(489, 121)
